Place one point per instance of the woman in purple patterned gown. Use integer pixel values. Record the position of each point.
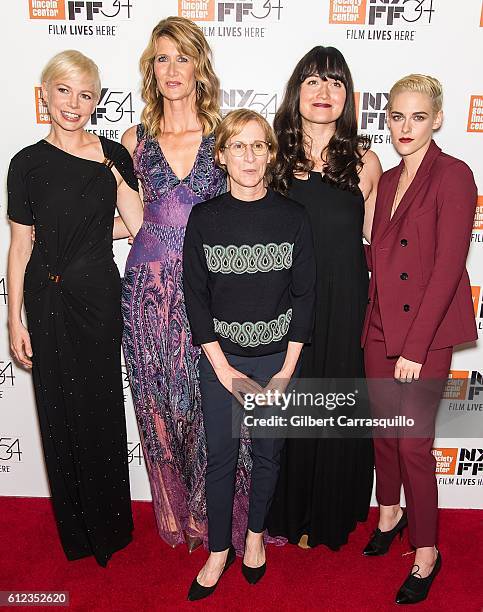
(173, 140)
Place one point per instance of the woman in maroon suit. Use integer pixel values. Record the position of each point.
(419, 308)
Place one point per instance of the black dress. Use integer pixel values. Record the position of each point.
(325, 484)
(72, 298)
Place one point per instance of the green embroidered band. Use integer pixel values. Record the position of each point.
(254, 334)
(248, 259)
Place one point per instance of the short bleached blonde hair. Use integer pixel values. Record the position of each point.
(420, 83)
(189, 40)
(72, 63)
(234, 122)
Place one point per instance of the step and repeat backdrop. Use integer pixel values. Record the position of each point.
(256, 45)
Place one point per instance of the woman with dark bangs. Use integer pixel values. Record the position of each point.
(325, 484)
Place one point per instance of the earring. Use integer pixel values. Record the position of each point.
(199, 89)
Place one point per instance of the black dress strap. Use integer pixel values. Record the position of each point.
(116, 154)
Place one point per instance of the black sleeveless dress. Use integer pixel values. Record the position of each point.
(325, 485)
(72, 295)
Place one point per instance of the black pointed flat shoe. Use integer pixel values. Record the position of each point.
(381, 540)
(253, 574)
(198, 591)
(415, 588)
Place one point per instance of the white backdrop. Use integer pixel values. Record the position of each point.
(256, 45)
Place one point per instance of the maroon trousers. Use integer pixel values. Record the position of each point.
(403, 454)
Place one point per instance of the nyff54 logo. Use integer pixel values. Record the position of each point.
(3, 291)
(10, 449)
(7, 376)
(87, 10)
(371, 110)
(263, 103)
(237, 11)
(381, 12)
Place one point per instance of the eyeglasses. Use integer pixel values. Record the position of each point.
(259, 147)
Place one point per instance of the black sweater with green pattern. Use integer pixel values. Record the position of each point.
(249, 274)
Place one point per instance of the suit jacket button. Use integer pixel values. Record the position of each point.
(404, 242)
(404, 276)
(406, 307)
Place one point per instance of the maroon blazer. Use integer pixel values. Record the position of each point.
(418, 258)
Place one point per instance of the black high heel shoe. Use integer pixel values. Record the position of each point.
(198, 591)
(416, 589)
(253, 574)
(381, 540)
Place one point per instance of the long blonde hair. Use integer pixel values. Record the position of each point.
(190, 40)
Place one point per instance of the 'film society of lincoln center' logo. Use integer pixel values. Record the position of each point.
(115, 109)
(464, 385)
(477, 233)
(478, 224)
(477, 295)
(475, 115)
(83, 17)
(387, 19)
(464, 462)
(233, 19)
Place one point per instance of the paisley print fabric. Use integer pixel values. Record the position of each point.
(161, 361)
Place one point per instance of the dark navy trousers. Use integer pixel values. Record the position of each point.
(222, 416)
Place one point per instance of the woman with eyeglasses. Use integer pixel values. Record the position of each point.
(249, 278)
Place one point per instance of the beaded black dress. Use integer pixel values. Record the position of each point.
(72, 294)
(325, 484)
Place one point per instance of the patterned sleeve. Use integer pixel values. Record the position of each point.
(19, 209)
(219, 183)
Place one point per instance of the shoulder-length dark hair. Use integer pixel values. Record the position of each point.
(345, 149)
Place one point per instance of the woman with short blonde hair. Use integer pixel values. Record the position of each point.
(419, 308)
(71, 63)
(68, 185)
